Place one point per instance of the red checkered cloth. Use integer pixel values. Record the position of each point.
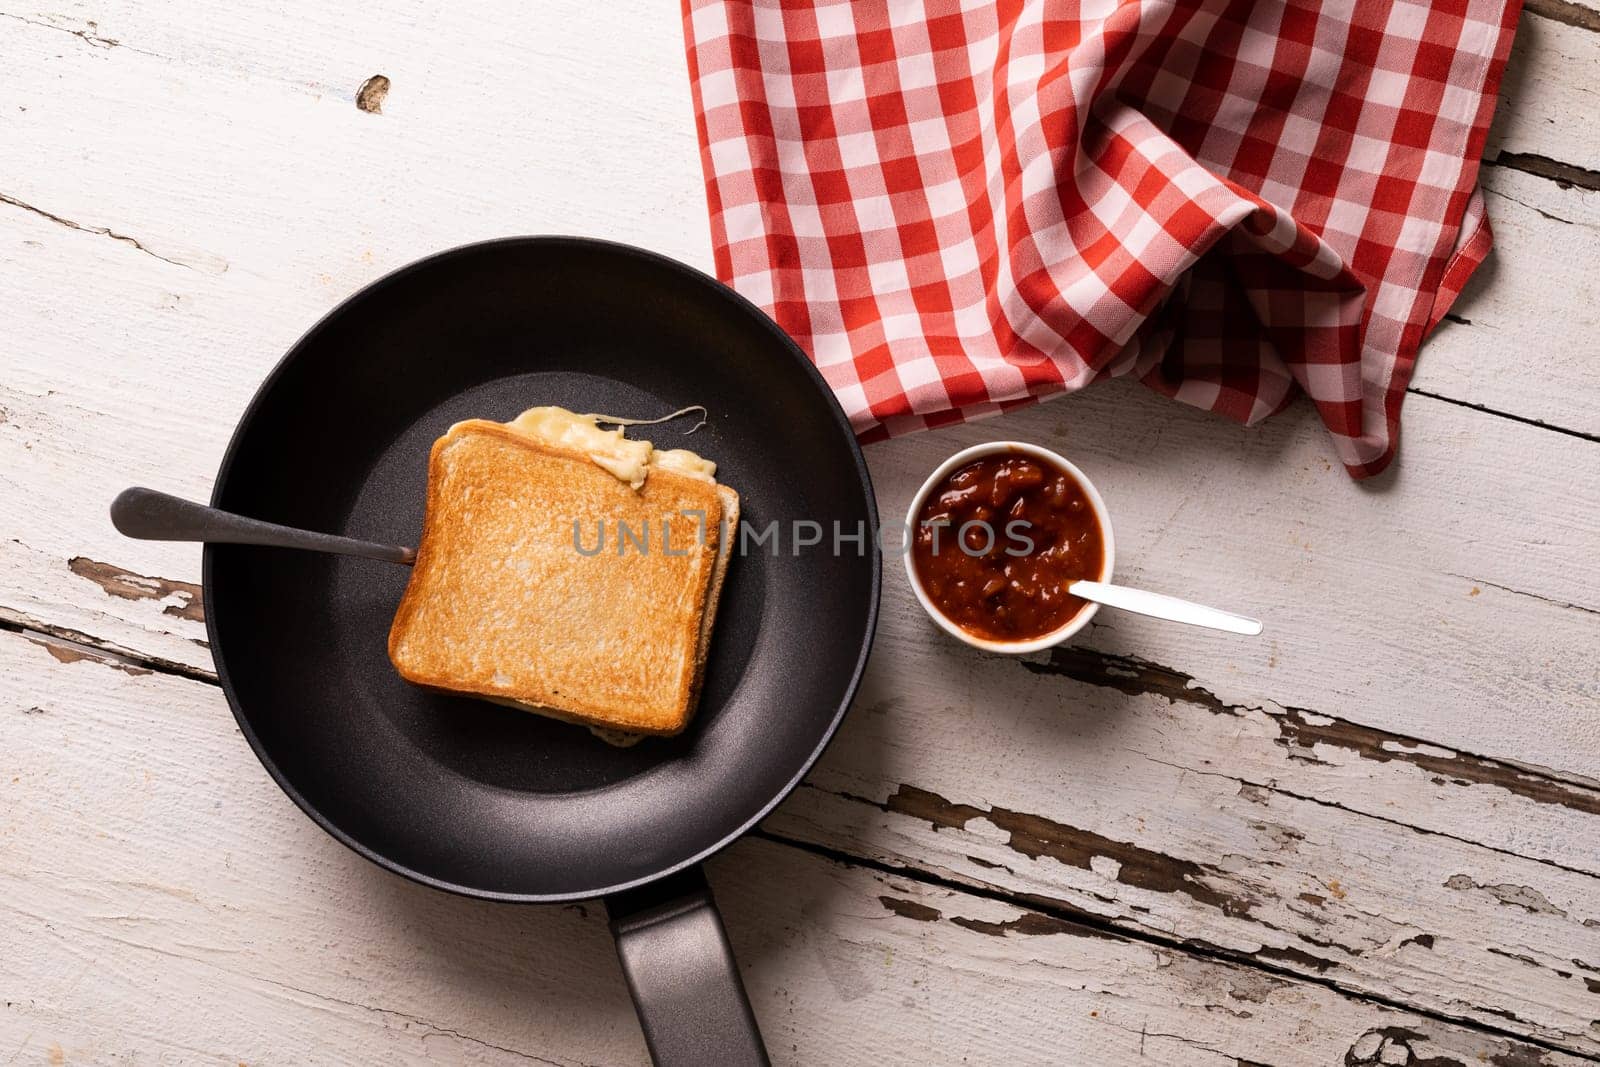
(960, 206)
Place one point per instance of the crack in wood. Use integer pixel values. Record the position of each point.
(1028, 924)
(1581, 435)
(1035, 836)
(1130, 675)
(127, 585)
(1144, 1032)
(63, 651)
(1262, 794)
(89, 33)
(1566, 12)
(1565, 175)
(1321, 942)
(1296, 957)
(1520, 592)
(407, 1018)
(1502, 1013)
(1297, 728)
(1301, 730)
(206, 264)
(1491, 190)
(25, 625)
(1521, 958)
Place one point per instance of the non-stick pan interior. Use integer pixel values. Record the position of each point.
(467, 794)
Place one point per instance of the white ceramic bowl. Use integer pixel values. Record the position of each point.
(961, 459)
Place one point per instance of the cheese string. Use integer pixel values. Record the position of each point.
(614, 421)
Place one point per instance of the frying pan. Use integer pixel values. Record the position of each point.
(493, 802)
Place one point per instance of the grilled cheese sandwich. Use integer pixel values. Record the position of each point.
(507, 601)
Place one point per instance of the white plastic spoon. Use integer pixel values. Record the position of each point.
(1161, 606)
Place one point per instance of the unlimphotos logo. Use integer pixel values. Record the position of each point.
(668, 537)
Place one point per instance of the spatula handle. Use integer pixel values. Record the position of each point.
(151, 516)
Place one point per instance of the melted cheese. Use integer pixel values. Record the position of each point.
(629, 461)
(685, 462)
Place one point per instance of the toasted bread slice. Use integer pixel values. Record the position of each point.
(509, 599)
(624, 738)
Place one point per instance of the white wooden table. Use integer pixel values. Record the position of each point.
(1372, 836)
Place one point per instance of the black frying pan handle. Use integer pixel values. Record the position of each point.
(682, 975)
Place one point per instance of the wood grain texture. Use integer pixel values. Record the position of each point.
(211, 922)
(1392, 797)
(1220, 809)
(1523, 337)
(1548, 92)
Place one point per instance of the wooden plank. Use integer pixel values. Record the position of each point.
(1490, 595)
(1210, 810)
(1219, 808)
(1548, 94)
(453, 156)
(1524, 335)
(163, 900)
(1370, 594)
(1519, 342)
(65, 415)
(371, 191)
(1147, 818)
(320, 199)
(1333, 567)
